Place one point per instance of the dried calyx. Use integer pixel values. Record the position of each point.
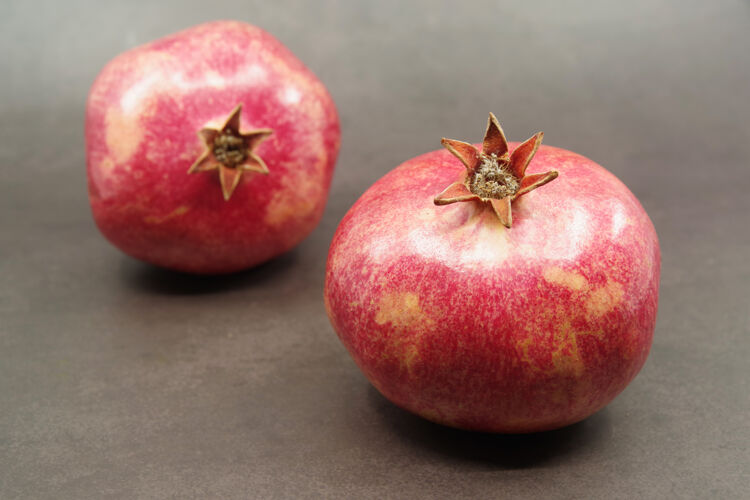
(230, 151)
(493, 176)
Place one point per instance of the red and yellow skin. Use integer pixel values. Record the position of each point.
(468, 323)
(145, 111)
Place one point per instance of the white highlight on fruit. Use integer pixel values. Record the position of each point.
(132, 99)
(619, 219)
(574, 221)
(291, 95)
(463, 234)
(252, 73)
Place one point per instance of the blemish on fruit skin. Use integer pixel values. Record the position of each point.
(401, 309)
(155, 219)
(568, 279)
(410, 357)
(604, 299)
(524, 346)
(430, 414)
(562, 344)
(295, 202)
(123, 134)
(598, 302)
(567, 358)
(282, 207)
(409, 322)
(106, 165)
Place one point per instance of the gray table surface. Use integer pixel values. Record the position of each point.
(119, 380)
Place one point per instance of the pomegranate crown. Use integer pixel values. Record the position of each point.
(231, 151)
(493, 176)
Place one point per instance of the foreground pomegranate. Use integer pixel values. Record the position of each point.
(481, 317)
(210, 150)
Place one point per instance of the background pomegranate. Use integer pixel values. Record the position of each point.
(179, 133)
(469, 323)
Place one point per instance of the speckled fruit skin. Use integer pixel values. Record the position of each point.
(142, 118)
(454, 317)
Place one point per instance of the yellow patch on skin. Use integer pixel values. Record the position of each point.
(335, 258)
(410, 357)
(299, 197)
(404, 349)
(403, 312)
(524, 345)
(123, 134)
(630, 346)
(285, 205)
(566, 357)
(604, 299)
(568, 279)
(559, 395)
(431, 415)
(401, 309)
(156, 219)
(106, 164)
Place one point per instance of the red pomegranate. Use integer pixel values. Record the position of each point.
(477, 318)
(210, 150)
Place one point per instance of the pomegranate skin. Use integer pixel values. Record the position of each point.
(469, 324)
(142, 118)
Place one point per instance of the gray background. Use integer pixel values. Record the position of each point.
(119, 380)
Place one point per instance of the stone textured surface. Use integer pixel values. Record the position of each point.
(118, 380)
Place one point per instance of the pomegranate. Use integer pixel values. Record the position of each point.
(472, 316)
(210, 150)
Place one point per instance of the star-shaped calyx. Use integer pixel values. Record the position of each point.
(493, 176)
(231, 152)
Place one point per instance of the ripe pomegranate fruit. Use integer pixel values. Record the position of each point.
(477, 318)
(210, 150)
